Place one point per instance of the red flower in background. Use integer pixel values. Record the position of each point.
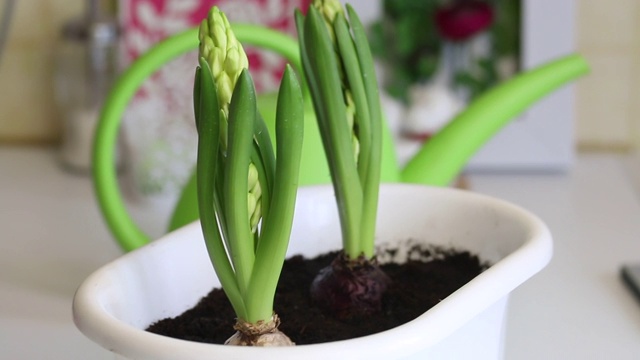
(463, 19)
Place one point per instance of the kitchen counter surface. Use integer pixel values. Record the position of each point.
(52, 237)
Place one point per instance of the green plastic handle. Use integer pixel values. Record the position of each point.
(442, 158)
(127, 233)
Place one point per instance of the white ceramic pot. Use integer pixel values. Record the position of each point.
(165, 278)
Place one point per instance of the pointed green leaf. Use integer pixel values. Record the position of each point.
(263, 153)
(206, 105)
(372, 183)
(196, 97)
(276, 230)
(242, 115)
(351, 66)
(331, 110)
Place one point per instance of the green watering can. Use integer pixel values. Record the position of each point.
(438, 162)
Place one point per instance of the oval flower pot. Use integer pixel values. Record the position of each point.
(163, 279)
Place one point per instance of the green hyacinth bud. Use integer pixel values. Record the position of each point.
(224, 54)
(254, 197)
(226, 57)
(351, 121)
(329, 9)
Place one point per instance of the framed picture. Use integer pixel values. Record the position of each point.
(541, 139)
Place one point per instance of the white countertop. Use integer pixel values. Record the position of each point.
(52, 236)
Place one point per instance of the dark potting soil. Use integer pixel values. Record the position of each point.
(417, 286)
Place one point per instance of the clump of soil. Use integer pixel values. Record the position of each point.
(417, 285)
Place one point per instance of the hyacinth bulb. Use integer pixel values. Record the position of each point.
(350, 289)
(263, 333)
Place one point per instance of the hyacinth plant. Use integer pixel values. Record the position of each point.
(246, 193)
(339, 70)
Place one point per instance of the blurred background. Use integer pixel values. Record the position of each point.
(59, 59)
(607, 115)
(573, 159)
(57, 69)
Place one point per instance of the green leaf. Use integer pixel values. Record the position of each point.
(330, 111)
(242, 115)
(372, 182)
(263, 149)
(276, 230)
(206, 108)
(196, 97)
(351, 65)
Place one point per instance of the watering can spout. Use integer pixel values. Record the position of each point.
(442, 158)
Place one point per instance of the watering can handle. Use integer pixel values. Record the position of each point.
(118, 219)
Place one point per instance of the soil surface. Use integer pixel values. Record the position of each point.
(416, 287)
